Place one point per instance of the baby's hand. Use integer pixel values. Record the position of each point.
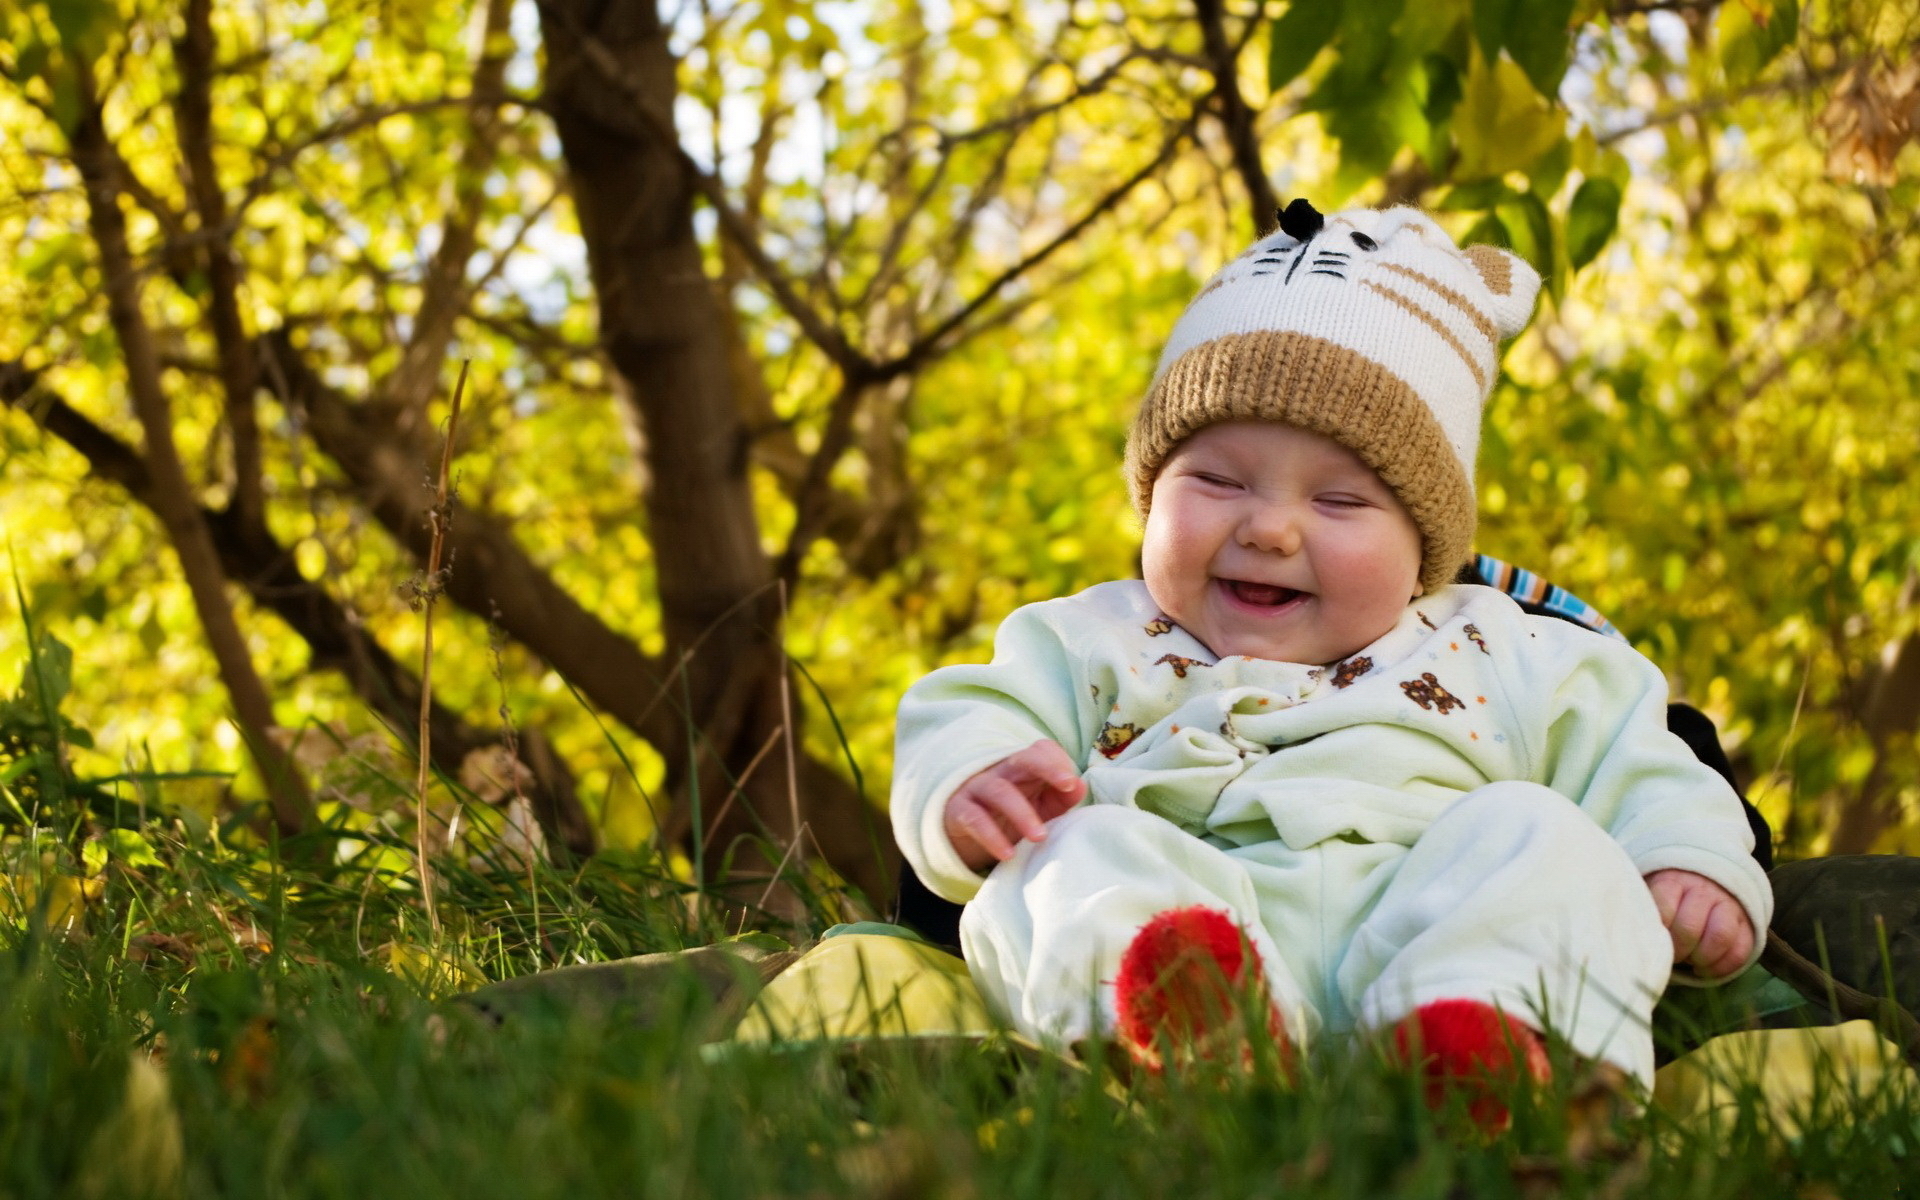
(1709, 928)
(1011, 800)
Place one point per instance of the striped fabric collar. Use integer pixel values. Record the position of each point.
(1537, 595)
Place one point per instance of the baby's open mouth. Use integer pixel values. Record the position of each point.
(1262, 595)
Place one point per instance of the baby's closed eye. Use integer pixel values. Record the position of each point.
(1218, 481)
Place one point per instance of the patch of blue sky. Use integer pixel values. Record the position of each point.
(523, 69)
(547, 271)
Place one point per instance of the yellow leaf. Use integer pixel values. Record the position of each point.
(1502, 123)
(436, 972)
(66, 899)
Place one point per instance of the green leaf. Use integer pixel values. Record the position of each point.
(1479, 194)
(1503, 124)
(1368, 38)
(31, 58)
(1493, 20)
(66, 101)
(83, 26)
(49, 673)
(1591, 220)
(1369, 137)
(1531, 225)
(49, 253)
(1540, 39)
(1297, 36)
(1489, 230)
(152, 636)
(1549, 171)
(1443, 88)
(130, 848)
(1371, 99)
(1752, 33)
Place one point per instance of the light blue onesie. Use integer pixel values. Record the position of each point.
(1465, 808)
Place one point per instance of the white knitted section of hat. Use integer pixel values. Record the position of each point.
(1413, 303)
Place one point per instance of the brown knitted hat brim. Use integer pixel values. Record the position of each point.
(1324, 388)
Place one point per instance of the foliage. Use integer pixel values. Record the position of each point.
(942, 244)
(37, 784)
(948, 243)
(1742, 399)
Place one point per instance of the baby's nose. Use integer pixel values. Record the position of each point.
(1272, 527)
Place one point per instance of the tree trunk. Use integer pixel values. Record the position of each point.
(174, 502)
(1892, 713)
(663, 329)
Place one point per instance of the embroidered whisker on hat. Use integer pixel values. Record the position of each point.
(1368, 327)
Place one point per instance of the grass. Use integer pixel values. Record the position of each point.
(185, 1015)
(220, 1026)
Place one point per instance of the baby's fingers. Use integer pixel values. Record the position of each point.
(1011, 804)
(1725, 942)
(968, 820)
(1046, 767)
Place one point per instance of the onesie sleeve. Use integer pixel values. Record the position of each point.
(1606, 746)
(959, 720)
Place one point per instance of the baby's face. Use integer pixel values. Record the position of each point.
(1268, 541)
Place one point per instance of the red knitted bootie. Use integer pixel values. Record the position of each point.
(1185, 980)
(1472, 1047)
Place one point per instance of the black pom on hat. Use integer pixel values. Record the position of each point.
(1301, 220)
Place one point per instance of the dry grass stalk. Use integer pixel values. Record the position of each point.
(786, 723)
(439, 518)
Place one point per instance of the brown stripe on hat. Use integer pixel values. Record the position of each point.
(1432, 322)
(1325, 388)
(1466, 306)
(1494, 267)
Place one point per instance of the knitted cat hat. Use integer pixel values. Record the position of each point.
(1371, 328)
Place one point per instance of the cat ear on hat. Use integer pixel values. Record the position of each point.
(1300, 220)
(1512, 285)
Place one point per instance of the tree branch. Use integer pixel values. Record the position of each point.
(611, 86)
(1890, 715)
(838, 433)
(336, 639)
(733, 223)
(1022, 118)
(492, 578)
(199, 562)
(1236, 117)
(807, 506)
(1630, 8)
(444, 290)
(352, 123)
(193, 109)
(1793, 83)
(945, 336)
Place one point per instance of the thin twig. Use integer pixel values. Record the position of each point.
(786, 721)
(438, 519)
(740, 784)
(1812, 982)
(932, 343)
(781, 866)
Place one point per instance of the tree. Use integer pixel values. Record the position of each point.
(798, 339)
